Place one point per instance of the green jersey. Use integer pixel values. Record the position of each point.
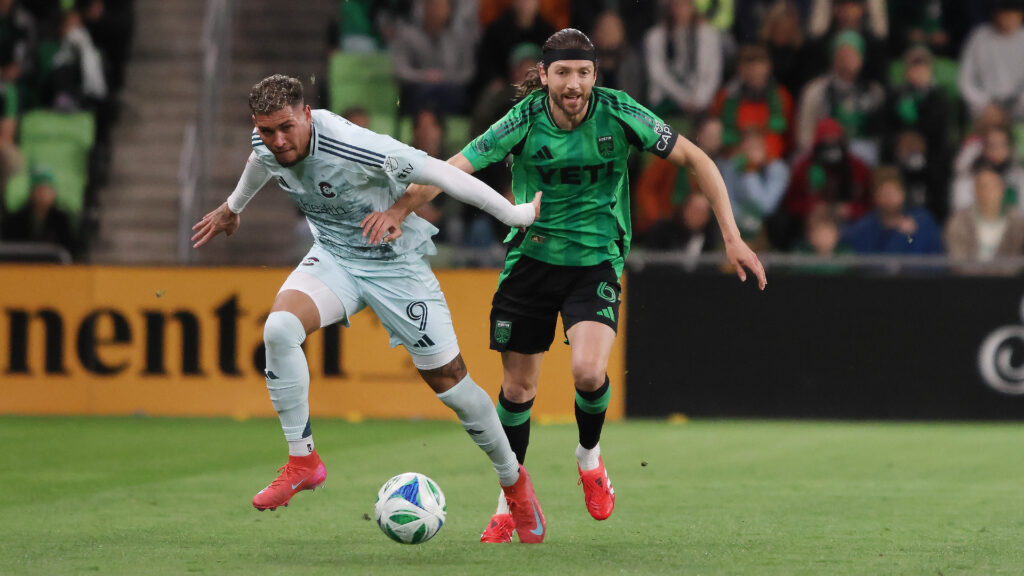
(584, 216)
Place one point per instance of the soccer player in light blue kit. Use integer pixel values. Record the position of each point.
(338, 174)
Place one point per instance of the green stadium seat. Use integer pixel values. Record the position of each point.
(43, 125)
(385, 124)
(59, 144)
(1018, 139)
(946, 73)
(67, 161)
(403, 131)
(456, 133)
(366, 80)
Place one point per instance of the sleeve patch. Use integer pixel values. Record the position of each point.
(485, 143)
(666, 140)
(401, 169)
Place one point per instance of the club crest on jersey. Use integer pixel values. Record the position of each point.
(606, 146)
(325, 190)
(502, 331)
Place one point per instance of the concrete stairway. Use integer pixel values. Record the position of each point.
(270, 37)
(139, 209)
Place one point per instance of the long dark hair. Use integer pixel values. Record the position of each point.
(564, 39)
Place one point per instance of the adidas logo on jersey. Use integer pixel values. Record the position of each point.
(542, 154)
(607, 313)
(423, 342)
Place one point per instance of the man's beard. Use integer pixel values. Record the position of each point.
(560, 102)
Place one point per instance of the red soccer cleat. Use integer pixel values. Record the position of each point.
(597, 491)
(499, 531)
(526, 512)
(300, 473)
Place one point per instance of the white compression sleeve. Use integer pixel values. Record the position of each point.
(253, 178)
(468, 189)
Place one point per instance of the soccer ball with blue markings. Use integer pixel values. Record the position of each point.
(410, 508)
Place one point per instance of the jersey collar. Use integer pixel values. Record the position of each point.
(313, 139)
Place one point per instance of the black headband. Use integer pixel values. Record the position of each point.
(552, 56)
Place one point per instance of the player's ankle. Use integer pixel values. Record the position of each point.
(588, 459)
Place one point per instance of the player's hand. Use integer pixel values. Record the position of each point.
(220, 220)
(740, 255)
(536, 205)
(378, 225)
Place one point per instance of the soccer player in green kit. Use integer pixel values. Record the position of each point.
(570, 140)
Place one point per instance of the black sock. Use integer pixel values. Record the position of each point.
(590, 421)
(515, 420)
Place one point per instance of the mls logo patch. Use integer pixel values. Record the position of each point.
(325, 190)
(606, 146)
(502, 331)
(485, 143)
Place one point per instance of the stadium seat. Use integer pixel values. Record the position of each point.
(43, 125)
(401, 129)
(67, 161)
(456, 133)
(366, 80)
(60, 144)
(946, 73)
(1018, 139)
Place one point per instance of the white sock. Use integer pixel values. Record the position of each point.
(587, 459)
(502, 504)
(301, 447)
(287, 373)
(478, 416)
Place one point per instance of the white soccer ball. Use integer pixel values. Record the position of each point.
(410, 508)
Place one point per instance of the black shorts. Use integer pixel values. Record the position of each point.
(525, 308)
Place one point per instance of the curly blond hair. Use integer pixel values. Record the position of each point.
(274, 93)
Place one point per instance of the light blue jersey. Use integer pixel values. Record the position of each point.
(349, 173)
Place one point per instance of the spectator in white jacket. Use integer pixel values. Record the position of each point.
(992, 63)
(684, 61)
(995, 154)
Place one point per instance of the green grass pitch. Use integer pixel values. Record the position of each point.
(172, 496)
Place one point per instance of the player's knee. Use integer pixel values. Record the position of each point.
(518, 389)
(283, 330)
(587, 375)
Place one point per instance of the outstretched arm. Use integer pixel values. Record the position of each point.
(688, 155)
(226, 217)
(454, 178)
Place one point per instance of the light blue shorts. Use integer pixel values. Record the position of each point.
(404, 295)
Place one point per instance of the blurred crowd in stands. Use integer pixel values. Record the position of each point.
(858, 126)
(62, 64)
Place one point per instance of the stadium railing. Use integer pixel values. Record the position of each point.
(493, 257)
(937, 264)
(33, 252)
(204, 133)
